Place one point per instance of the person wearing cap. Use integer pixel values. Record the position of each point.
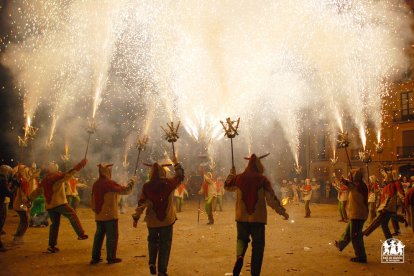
(104, 202)
(253, 192)
(208, 188)
(52, 187)
(157, 199)
(357, 211)
(6, 175)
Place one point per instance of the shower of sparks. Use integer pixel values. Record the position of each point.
(363, 136)
(199, 61)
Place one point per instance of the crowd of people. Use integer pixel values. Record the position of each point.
(40, 195)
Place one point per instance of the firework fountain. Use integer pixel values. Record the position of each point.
(171, 135)
(204, 60)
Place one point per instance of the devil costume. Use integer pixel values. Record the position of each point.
(52, 187)
(357, 210)
(253, 192)
(104, 203)
(157, 198)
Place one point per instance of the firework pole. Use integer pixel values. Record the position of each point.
(343, 143)
(141, 143)
(230, 130)
(90, 130)
(171, 135)
(365, 157)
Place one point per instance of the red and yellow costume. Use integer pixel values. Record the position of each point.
(104, 203)
(52, 187)
(157, 199)
(253, 192)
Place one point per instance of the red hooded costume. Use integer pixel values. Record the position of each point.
(251, 181)
(158, 189)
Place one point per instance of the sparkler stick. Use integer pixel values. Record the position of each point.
(365, 156)
(171, 134)
(29, 134)
(230, 130)
(141, 143)
(343, 143)
(90, 130)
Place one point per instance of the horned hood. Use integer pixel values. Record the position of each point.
(157, 172)
(105, 170)
(255, 165)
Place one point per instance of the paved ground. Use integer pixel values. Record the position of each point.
(301, 246)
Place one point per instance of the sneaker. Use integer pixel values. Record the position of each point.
(359, 260)
(95, 261)
(52, 249)
(238, 266)
(114, 261)
(162, 274)
(153, 269)
(396, 233)
(83, 237)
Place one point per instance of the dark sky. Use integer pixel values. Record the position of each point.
(11, 111)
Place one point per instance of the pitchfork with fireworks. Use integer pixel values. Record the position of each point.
(171, 135)
(141, 143)
(365, 157)
(91, 129)
(343, 143)
(230, 130)
(29, 134)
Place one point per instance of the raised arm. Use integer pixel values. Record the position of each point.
(122, 190)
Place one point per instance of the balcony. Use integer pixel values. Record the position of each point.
(405, 152)
(403, 115)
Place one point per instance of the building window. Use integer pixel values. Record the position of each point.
(407, 105)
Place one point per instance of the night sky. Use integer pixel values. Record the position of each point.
(11, 110)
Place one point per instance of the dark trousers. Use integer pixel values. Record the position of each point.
(353, 233)
(159, 243)
(23, 224)
(67, 212)
(384, 224)
(307, 209)
(256, 231)
(110, 230)
(3, 214)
